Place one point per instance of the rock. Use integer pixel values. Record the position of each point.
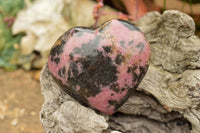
(168, 98)
(100, 67)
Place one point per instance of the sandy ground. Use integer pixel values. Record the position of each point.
(20, 102)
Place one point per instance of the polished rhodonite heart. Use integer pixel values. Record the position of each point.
(100, 67)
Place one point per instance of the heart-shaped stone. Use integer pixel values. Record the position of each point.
(100, 67)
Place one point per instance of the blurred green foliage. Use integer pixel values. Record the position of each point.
(192, 1)
(9, 42)
(11, 7)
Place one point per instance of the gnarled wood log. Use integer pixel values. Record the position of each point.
(167, 100)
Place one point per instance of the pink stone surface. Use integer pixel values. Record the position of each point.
(100, 67)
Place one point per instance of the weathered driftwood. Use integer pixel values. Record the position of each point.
(167, 100)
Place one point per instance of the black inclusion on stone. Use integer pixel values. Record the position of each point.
(96, 71)
(115, 87)
(88, 49)
(61, 72)
(130, 42)
(56, 60)
(107, 49)
(119, 59)
(122, 90)
(77, 50)
(140, 46)
(113, 102)
(132, 70)
(58, 49)
(122, 43)
(73, 68)
(129, 25)
(71, 56)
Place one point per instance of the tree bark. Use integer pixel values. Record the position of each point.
(166, 101)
